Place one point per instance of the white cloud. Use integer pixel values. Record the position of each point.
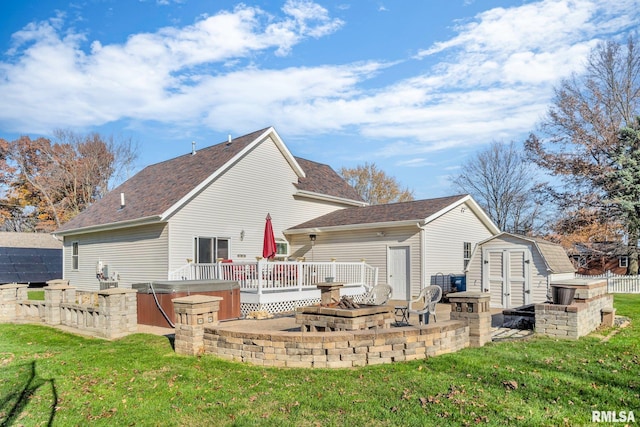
(68, 87)
(491, 81)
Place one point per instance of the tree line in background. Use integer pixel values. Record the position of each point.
(43, 184)
(588, 144)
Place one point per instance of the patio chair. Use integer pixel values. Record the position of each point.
(378, 295)
(430, 296)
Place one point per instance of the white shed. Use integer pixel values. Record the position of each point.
(517, 270)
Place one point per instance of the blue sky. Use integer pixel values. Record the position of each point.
(416, 86)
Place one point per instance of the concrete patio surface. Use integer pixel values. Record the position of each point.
(287, 322)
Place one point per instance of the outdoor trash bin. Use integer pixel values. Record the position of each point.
(562, 295)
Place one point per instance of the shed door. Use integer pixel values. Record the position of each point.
(398, 271)
(518, 283)
(494, 276)
(506, 271)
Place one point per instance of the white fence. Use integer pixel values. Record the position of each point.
(273, 276)
(617, 284)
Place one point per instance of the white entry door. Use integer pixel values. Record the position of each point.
(506, 276)
(398, 271)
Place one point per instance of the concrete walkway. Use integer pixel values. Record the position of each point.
(508, 334)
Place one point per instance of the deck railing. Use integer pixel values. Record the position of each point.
(272, 276)
(616, 283)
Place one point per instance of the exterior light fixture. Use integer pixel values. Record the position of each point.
(312, 237)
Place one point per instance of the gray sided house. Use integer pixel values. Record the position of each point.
(411, 243)
(199, 207)
(30, 258)
(517, 270)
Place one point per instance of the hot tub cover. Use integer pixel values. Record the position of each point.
(174, 286)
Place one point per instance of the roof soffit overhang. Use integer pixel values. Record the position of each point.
(155, 219)
(353, 227)
(328, 198)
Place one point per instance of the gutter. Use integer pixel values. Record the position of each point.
(112, 226)
(319, 196)
(347, 227)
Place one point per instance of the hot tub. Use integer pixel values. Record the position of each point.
(166, 291)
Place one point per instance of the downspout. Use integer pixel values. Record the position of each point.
(423, 258)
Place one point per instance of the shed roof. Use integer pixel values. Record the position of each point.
(9, 239)
(157, 190)
(556, 257)
(553, 254)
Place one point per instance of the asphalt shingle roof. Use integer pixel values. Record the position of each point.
(158, 187)
(557, 258)
(404, 211)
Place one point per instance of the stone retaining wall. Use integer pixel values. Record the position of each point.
(110, 313)
(591, 307)
(471, 326)
(336, 349)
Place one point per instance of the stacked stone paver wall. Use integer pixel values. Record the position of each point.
(110, 313)
(333, 349)
(193, 314)
(336, 349)
(10, 294)
(473, 308)
(591, 305)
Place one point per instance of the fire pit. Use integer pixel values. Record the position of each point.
(319, 319)
(341, 314)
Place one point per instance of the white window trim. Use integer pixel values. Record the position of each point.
(214, 252)
(279, 243)
(466, 256)
(75, 256)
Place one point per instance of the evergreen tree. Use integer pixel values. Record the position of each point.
(625, 183)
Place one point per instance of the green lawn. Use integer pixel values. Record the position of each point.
(35, 295)
(47, 376)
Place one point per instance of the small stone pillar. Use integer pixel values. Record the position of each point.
(193, 314)
(329, 292)
(54, 295)
(119, 310)
(608, 317)
(10, 294)
(473, 308)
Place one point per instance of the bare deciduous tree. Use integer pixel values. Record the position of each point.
(502, 183)
(577, 138)
(375, 186)
(51, 183)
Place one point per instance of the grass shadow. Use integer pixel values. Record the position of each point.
(172, 340)
(13, 403)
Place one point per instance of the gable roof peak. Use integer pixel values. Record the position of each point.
(159, 190)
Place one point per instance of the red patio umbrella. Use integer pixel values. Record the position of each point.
(269, 248)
